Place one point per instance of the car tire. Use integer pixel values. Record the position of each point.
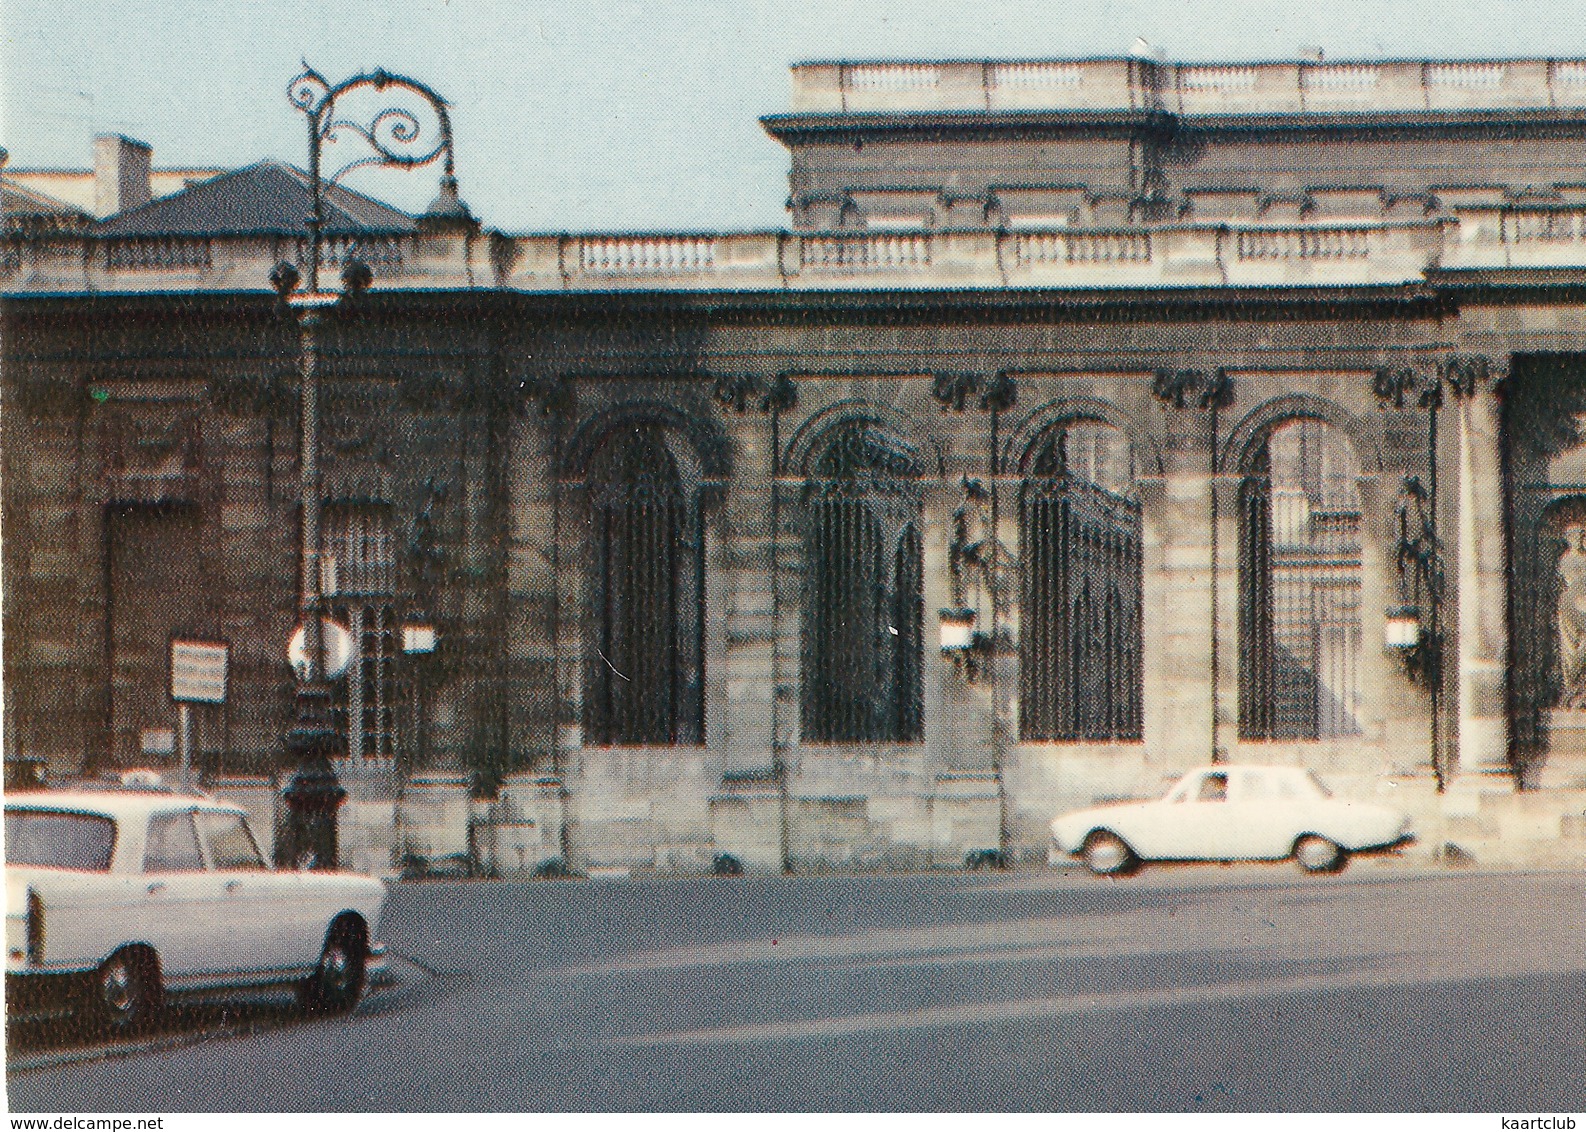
(338, 980)
(1317, 854)
(125, 994)
(1107, 854)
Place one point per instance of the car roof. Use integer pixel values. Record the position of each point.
(114, 803)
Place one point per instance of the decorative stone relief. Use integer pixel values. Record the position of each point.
(1571, 618)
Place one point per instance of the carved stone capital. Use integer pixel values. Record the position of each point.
(1467, 373)
(1000, 394)
(734, 391)
(1393, 386)
(952, 390)
(1192, 388)
(782, 397)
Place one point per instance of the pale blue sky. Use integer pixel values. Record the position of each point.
(621, 115)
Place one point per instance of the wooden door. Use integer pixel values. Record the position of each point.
(156, 592)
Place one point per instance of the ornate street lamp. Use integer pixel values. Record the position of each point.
(1414, 628)
(394, 136)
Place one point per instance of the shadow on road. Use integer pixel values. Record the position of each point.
(64, 1029)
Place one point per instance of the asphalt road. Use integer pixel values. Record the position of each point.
(1182, 989)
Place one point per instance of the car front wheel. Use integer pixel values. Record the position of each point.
(125, 992)
(1107, 854)
(1319, 855)
(337, 982)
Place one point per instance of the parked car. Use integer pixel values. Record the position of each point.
(122, 899)
(1231, 813)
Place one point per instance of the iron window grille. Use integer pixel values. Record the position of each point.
(864, 602)
(1299, 588)
(644, 669)
(358, 582)
(1081, 645)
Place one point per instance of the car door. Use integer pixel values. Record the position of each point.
(1186, 824)
(250, 905)
(175, 910)
(1254, 815)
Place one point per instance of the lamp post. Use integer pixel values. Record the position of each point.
(1414, 628)
(394, 136)
(980, 653)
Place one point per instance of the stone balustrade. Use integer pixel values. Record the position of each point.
(1518, 236)
(1187, 88)
(1479, 235)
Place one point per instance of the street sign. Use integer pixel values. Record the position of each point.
(198, 672)
(338, 648)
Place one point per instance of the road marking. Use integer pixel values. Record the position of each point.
(982, 1013)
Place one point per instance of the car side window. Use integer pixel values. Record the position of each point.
(230, 843)
(1214, 788)
(172, 846)
(1252, 787)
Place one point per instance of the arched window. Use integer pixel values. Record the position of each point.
(1080, 643)
(358, 579)
(644, 667)
(1299, 587)
(864, 604)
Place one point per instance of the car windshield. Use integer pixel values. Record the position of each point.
(53, 839)
(1317, 782)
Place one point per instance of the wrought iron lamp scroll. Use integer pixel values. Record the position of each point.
(396, 135)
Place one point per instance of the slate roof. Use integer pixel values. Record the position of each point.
(269, 198)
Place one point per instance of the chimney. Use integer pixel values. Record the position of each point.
(121, 174)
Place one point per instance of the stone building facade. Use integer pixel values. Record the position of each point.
(1093, 420)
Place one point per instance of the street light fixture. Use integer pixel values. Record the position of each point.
(394, 136)
(1414, 628)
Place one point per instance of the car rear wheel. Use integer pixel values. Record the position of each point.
(125, 992)
(1319, 855)
(1107, 854)
(337, 982)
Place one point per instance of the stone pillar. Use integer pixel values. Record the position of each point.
(1482, 580)
(572, 564)
(535, 569)
(742, 731)
(1155, 611)
(1224, 599)
(434, 819)
(526, 833)
(1178, 583)
(1178, 619)
(1391, 708)
(751, 704)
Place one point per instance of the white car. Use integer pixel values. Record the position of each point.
(1231, 813)
(123, 898)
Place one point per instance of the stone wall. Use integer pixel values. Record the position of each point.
(498, 775)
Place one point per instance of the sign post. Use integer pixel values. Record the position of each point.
(198, 676)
